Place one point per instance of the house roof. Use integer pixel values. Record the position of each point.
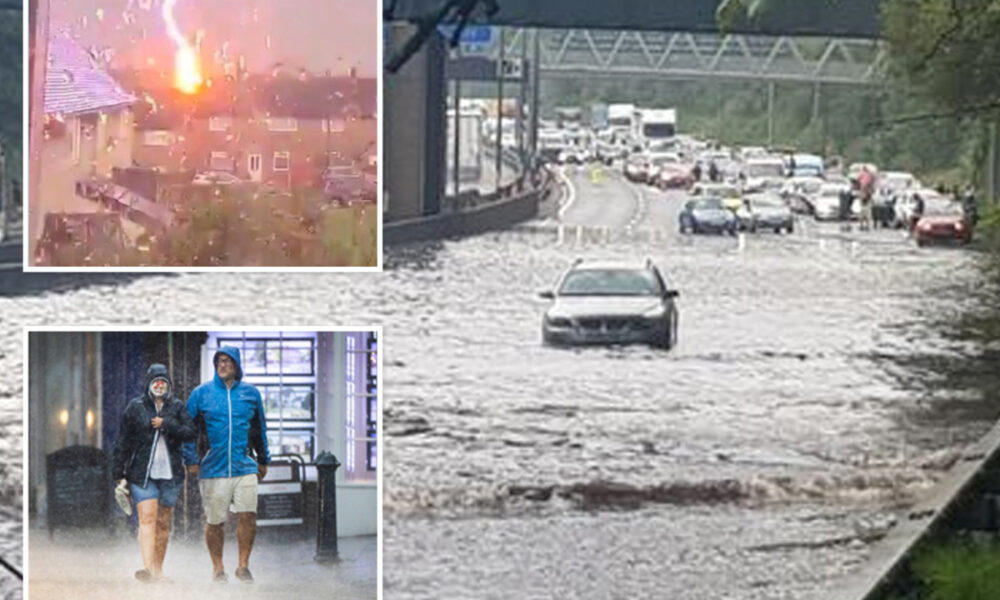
(312, 97)
(75, 82)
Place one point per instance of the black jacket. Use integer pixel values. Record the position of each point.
(132, 457)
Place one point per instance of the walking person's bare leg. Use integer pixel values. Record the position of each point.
(163, 515)
(215, 538)
(246, 531)
(147, 510)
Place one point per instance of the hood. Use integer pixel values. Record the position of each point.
(155, 371)
(940, 219)
(773, 211)
(570, 307)
(233, 353)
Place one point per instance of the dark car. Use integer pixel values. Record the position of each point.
(611, 303)
(707, 215)
(943, 222)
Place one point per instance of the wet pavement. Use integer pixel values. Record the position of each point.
(84, 565)
(753, 461)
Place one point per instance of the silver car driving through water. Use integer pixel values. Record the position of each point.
(611, 303)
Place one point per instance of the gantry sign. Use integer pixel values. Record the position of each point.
(686, 55)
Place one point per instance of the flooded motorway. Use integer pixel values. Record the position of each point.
(755, 460)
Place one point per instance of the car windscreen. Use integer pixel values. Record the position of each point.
(663, 159)
(943, 208)
(709, 204)
(764, 170)
(610, 282)
(768, 202)
(722, 191)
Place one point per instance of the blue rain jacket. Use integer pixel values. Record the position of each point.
(232, 422)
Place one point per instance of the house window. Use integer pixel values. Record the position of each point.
(333, 125)
(282, 366)
(220, 123)
(361, 411)
(282, 124)
(281, 160)
(157, 138)
(220, 161)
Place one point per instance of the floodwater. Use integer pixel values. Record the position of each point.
(753, 461)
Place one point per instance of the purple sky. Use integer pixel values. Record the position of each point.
(314, 34)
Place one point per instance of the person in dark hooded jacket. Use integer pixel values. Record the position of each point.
(147, 455)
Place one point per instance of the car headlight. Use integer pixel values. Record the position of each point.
(959, 226)
(657, 312)
(925, 226)
(560, 322)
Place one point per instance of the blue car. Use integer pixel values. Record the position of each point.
(707, 215)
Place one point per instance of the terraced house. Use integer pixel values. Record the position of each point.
(277, 130)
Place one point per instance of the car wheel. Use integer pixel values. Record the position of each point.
(790, 228)
(921, 243)
(777, 230)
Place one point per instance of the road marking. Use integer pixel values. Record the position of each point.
(570, 194)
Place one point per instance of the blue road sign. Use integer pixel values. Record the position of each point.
(472, 34)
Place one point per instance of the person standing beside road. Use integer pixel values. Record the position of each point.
(147, 455)
(969, 206)
(866, 183)
(230, 414)
(713, 172)
(917, 213)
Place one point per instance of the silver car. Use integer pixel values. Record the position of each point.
(611, 303)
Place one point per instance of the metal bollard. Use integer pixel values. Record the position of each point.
(326, 529)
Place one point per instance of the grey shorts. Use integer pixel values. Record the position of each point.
(222, 494)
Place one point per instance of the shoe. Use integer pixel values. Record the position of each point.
(144, 575)
(244, 575)
(220, 577)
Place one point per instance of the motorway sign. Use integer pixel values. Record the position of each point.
(471, 34)
(474, 39)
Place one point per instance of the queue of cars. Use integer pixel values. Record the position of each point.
(762, 188)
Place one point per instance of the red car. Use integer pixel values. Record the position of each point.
(943, 222)
(674, 178)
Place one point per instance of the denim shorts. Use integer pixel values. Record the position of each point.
(166, 490)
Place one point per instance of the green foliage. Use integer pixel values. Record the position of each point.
(10, 90)
(959, 572)
(948, 51)
(240, 227)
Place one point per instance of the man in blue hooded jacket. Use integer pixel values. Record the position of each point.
(230, 414)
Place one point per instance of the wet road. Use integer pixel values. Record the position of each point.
(750, 462)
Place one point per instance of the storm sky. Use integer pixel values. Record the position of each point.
(316, 35)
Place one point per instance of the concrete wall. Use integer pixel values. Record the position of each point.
(967, 499)
(489, 217)
(414, 129)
